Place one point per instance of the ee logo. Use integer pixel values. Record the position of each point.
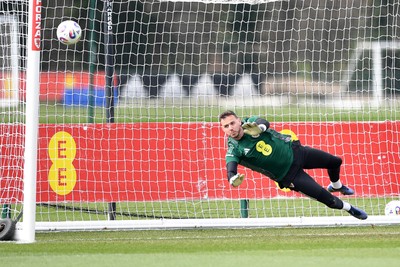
(62, 173)
(264, 148)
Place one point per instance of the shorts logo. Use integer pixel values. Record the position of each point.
(264, 148)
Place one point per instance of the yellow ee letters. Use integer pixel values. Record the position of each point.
(264, 148)
(62, 173)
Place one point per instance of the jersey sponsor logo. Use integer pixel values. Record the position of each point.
(246, 150)
(264, 148)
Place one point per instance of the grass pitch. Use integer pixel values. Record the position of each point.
(335, 246)
(58, 113)
(125, 114)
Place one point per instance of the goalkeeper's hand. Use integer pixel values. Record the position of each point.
(252, 128)
(236, 180)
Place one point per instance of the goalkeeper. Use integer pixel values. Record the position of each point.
(251, 143)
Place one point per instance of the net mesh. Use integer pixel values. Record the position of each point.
(128, 115)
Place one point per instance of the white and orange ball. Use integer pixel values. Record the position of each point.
(69, 32)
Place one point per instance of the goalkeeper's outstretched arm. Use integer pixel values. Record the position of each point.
(234, 178)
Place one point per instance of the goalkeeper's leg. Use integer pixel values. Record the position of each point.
(315, 158)
(318, 159)
(305, 184)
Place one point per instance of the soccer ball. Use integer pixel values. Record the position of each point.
(69, 32)
(392, 208)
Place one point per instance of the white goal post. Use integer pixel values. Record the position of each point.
(20, 117)
(127, 135)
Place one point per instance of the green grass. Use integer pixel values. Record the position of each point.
(58, 113)
(336, 246)
(63, 114)
(200, 209)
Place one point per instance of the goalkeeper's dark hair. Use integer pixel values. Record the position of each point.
(226, 113)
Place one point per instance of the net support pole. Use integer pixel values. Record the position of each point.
(6, 211)
(244, 208)
(92, 58)
(109, 71)
(32, 122)
(377, 73)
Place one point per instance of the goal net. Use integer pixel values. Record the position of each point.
(128, 129)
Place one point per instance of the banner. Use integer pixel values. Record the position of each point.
(174, 161)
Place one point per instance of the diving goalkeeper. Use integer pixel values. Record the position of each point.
(253, 144)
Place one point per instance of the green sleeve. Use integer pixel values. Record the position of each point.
(231, 154)
(250, 119)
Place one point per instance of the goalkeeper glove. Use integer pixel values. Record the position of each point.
(236, 180)
(253, 129)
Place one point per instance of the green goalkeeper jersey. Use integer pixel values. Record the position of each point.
(270, 153)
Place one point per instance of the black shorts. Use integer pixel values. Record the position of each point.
(298, 161)
(305, 157)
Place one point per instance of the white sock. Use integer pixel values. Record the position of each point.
(337, 184)
(346, 206)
